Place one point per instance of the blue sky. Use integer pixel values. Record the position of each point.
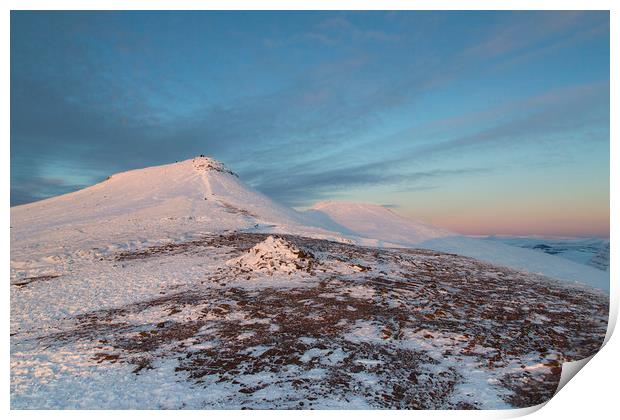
(482, 122)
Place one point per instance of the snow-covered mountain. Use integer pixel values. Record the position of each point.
(141, 208)
(374, 221)
(183, 200)
(199, 193)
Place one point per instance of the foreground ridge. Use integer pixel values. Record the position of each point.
(371, 328)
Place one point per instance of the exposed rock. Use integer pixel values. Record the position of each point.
(204, 163)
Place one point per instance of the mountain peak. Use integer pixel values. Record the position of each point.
(204, 164)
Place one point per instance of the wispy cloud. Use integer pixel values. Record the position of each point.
(539, 29)
(303, 188)
(553, 119)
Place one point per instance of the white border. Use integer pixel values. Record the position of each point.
(592, 395)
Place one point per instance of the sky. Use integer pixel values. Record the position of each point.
(480, 122)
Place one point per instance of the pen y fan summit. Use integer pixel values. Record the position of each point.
(144, 207)
(196, 189)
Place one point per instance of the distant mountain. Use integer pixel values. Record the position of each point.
(377, 222)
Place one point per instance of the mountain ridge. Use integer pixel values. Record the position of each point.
(183, 200)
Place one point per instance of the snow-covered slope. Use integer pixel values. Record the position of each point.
(523, 259)
(380, 223)
(376, 222)
(250, 320)
(590, 251)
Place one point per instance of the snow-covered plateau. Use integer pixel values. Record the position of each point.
(178, 286)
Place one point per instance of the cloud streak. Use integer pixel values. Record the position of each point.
(305, 188)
